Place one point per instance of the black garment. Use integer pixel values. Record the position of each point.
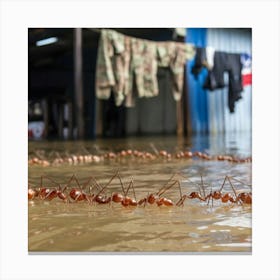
(231, 63)
(200, 61)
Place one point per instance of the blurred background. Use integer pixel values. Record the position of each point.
(62, 102)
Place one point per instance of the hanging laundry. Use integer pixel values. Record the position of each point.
(223, 62)
(174, 55)
(204, 58)
(231, 63)
(128, 66)
(246, 61)
(183, 52)
(144, 65)
(112, 66)
(200, 61)
(142, 71)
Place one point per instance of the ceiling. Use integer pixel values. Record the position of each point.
(45, 55)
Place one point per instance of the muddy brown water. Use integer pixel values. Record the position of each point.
(54, 226)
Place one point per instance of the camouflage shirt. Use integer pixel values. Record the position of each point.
(124, 61)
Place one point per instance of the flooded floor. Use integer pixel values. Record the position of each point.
(54, 226)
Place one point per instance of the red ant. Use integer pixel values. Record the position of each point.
(244, 197)
(49, 194)
(32, 193)
(125, 200)
(101, 199)
(156, 197)
(240, 198)
(77, 194)
(218, 195)
(192, 195)
(80, 195)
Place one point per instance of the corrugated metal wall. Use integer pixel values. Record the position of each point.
(220, 119)
(197, 95)
(215, 103)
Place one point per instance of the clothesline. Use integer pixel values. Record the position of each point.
(99, 30)
(126, 65)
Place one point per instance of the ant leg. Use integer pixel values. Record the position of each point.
(145, 202)
(74, 177)
(209, 196)
(249, 185)
(236, 196)
(97, 185)
(110, 181)
(41, 182)
(120, 179)
(141, 201)
(87, 182)
(113, 177)
(127, 190)
(49, 178)
(154, 149)
(110, 202)
(161, 190)
(203, 189)
(167, 188)
(133, 189)
(197, 185)
(180, 189)
(88, 199)
(181, 200)
(202, 185)
(62, 195)
(92, 188)
(223, 184)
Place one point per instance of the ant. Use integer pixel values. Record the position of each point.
(32, 193)
(218, 195)
(77, 194)
(49, 194)
(80, 195)
(192, 195)
(246, 198)
(125, 200)
(104, 199)
(156, 197)
(240, 198)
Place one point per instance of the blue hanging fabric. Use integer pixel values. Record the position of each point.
(197, 95)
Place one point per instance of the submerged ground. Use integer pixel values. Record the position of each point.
(54, 226)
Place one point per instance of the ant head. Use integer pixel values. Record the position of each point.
(193, 195)
(216, 194)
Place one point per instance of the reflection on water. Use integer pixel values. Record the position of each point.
(238, 144)
(196, 227)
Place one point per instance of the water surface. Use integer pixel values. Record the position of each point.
(196, 227)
